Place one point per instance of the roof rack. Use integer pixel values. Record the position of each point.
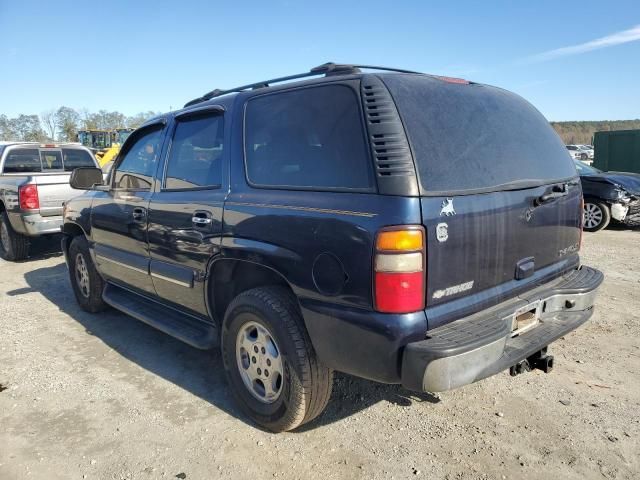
(326, 69)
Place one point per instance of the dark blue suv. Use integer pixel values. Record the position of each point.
(401, 227)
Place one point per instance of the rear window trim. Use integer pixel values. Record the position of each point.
(526, 185)
(312, 188)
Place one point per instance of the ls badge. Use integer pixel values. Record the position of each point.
(442, 232)
(447, 208)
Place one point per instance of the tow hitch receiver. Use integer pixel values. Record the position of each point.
(539, 360)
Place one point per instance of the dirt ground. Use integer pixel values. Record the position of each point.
(107, 397)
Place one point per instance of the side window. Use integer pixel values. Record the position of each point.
(22, 160)
(307, 138)
(136, 170)
(51, 160)
(195, 159)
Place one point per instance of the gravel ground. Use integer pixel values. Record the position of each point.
(107, 397)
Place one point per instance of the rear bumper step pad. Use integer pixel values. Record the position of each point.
(483, 344)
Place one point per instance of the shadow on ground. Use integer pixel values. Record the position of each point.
(47, 246)
(199, 372)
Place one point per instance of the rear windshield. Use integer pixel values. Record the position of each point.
(33, 160)
(471, 137)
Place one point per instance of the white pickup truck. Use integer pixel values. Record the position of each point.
(34, 183)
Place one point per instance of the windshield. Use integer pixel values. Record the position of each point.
(122, 135)
(584, 169)
(469, 137)
(96, 140)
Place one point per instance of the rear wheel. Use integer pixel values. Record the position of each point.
(86, 281)
(583, 156)
(596, 216)
(13, 246)
(269, 360)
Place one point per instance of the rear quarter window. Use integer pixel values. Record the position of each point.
(310, 138)
(472, 137)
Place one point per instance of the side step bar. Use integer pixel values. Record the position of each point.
(180, 325)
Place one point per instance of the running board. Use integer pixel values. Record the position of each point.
(182, 326)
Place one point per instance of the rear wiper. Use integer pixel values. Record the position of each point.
(557, 191)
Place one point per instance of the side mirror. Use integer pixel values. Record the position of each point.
(85, 178)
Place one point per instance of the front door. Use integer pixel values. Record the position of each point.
(120, 217)
(185, 215)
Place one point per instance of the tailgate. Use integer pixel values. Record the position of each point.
(53, 190)
(495, 246)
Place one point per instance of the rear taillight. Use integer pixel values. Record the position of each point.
(28, 195)
(399, 270)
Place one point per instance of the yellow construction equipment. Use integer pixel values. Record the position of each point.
(105, 144)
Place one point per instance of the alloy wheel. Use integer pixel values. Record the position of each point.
(592, 215)
(259, 362)
(82, 276)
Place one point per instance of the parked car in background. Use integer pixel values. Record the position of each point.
(34, 182)
(341, 223)
(588, 149)
(577, 152)
(609, 195)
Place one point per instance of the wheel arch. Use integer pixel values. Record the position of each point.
(229, 276)
(70, 230)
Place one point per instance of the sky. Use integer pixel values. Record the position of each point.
(574, 60)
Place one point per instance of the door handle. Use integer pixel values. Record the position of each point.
(139, 214)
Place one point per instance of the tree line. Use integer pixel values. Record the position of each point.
(581, 133)
(62, 124)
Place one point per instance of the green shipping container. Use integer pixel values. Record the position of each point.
(617, 151)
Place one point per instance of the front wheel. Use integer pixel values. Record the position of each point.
(596, 216)
(269, 361)
(86, 281)
(583, 156)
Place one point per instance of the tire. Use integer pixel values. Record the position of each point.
(584, 156)
(269, 317)
(86, 282)
(595, 216)
(13, 245)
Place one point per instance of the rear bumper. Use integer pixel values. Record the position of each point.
(482, 345)
(34, 224)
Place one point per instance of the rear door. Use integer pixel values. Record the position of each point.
(185, 215)
(119, 217)
(500, 195)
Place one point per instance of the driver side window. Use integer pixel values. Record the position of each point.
(137, 168)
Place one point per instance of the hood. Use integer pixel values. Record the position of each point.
(629, 181)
